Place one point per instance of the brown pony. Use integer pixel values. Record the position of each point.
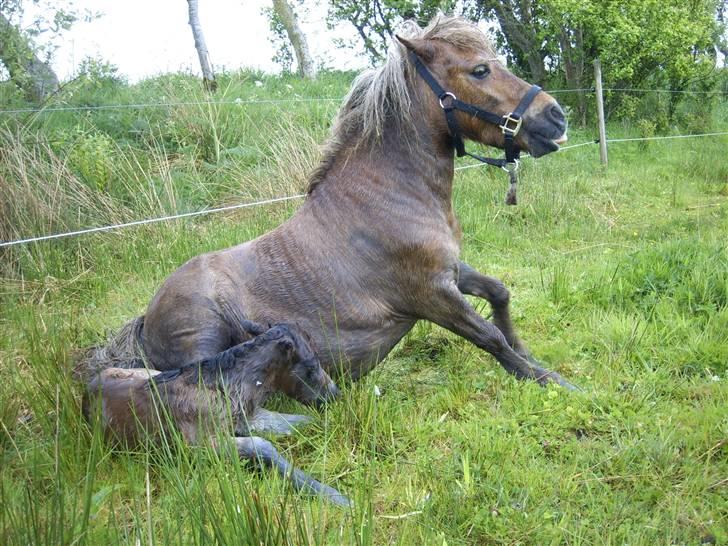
(375, 247)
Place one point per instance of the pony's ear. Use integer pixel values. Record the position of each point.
(421, 47)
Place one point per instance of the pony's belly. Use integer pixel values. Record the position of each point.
(356, 352)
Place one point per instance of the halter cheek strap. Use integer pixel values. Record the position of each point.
(510, 124)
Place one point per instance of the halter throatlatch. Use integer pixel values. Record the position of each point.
(509, 124)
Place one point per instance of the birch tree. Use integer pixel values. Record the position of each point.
(208, 76)
(287, 17)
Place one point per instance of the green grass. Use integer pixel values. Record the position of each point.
(619, 281)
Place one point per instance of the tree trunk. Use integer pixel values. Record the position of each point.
(35, 77)
(572, 58)
(721, 38)
(520, 37)
(306, 66)
(208, 76)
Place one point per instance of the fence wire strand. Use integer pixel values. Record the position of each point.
(143, 105)
(151, 220)
(140, 106)
(667, 137)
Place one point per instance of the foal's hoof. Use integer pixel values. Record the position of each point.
(544, 377)
(277, 423)
(334, 497)
(341, 500)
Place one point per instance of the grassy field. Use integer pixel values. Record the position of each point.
(619, 281)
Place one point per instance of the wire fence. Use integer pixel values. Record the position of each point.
(150, 220)
(638, 90)
(297, 196)
(240, 102)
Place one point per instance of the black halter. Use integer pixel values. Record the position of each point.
(509, 124)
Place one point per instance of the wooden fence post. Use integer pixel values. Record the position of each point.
(600, 112)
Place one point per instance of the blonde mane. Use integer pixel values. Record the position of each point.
(382, 94)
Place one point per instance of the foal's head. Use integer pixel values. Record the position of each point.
(465, 63)
(286, 362)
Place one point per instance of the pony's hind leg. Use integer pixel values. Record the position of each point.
(262, 451)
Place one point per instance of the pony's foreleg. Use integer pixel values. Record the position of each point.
(474, 283)
(449, 309)
(262, 451)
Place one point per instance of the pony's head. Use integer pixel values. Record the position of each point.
(284, 360)
(465, 63)
(392, 98)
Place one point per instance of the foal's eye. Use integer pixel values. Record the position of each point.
(480, 71)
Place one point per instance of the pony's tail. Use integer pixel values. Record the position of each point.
(122, 350)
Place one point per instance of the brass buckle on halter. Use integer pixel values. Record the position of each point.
(511, 130)
(445, 95)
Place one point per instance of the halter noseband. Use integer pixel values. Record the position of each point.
(510, 124)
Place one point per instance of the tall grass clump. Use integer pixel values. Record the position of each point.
(42, 194)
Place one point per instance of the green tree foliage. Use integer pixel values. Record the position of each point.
(650, 43)
(27, 63)
(638, 40)
(376, 20)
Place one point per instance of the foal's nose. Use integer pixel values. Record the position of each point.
(556, 116)
(332, 392)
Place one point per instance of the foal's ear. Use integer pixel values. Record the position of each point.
(421, 47)
(285, 345)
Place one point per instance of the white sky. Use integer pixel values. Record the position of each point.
(148, 37)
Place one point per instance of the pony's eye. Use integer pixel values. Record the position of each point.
(480, 71)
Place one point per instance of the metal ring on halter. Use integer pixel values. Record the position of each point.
(443, 96)
(511, 167)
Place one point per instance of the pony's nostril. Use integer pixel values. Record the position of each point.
(557, 115)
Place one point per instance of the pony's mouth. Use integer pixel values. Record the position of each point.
(540, 145)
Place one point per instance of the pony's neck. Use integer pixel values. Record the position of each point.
(247, 383)
(414, 159)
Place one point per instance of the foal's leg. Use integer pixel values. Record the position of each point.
(474, 283)
(449, 309)
(262, 421)
(263, 452)
(273, 422)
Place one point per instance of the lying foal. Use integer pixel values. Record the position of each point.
(218, 393)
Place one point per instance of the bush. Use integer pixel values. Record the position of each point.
(91, 155)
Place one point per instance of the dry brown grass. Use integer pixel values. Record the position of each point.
(41, 195)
